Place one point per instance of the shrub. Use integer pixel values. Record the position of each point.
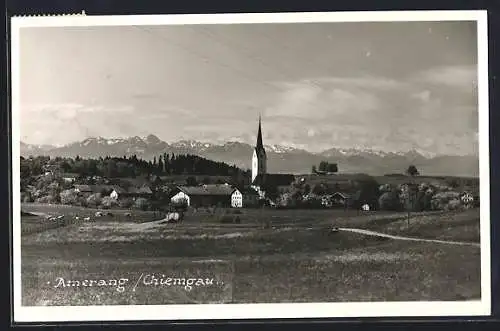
(390, 201)
(68, 197)
(441, 200)
(94, 200)
(125, 203)
(46, 199)
(454, 204)
(108, 202)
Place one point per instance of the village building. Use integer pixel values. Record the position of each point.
(132, 192)
(250, 197)
(220, 195)
(93, 189)
(261, 180)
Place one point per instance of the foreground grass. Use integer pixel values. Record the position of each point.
(452, 226)
(296, 261)
(393, 272)
(281, 265)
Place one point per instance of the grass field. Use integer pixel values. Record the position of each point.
(295, 260)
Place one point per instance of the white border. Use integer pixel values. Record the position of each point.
(250, 311)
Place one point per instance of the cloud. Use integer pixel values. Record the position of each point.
(370, 82)
(63, 123)
(375, 112)
(464, 77)
(304, 99)
(423, 96)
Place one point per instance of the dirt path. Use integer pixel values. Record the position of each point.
(384, 235)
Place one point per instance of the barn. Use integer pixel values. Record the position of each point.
(222, 195)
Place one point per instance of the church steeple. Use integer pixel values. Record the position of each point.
(260, 145)
(259, 158)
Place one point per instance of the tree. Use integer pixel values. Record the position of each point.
(313, 170)
(191, 181)
(68, 197)
(389, 201)
(125, 203)
(412, 171)
(332, 167)
(108, 202)
(94, 200)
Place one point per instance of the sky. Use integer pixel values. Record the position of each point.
(391, 86)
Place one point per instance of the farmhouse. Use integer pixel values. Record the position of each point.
(222, 195)
(250, 197)
(142, 192)
(92, 189)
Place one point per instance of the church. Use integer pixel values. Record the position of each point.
(261, 180)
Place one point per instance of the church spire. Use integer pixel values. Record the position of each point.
(260, 145)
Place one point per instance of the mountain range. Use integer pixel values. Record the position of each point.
(281, 159)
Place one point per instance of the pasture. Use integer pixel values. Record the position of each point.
(295, 259)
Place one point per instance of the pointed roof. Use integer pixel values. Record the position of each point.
(260, 145)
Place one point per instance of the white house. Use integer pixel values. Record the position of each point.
(236, 199)
(181, 196)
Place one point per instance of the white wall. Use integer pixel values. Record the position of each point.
(236, 199)
(179, 197)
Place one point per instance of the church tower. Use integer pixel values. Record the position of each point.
(259, 158)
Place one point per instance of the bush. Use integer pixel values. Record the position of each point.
(442, 200)
(390, 201)
(94, 200)
(126, 203)
(454, 204)
(26, 197)
(68, 197)
(108, 202)
(46, 199)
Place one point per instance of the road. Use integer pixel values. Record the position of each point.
(384, 235)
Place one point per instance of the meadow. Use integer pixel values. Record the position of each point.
(295, 259)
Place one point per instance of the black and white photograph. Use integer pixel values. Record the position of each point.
(235, 166)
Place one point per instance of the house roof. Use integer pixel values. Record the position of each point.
(70, 175)
(83, 188)
(343, 195)
(248, 191)
(139, 190)
(145, 189)
(274, 179)
(119, 189)
(94, 188)
(213, 189)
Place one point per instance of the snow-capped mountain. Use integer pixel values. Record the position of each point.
(281, 159)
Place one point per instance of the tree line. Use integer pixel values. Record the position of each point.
(130, 166)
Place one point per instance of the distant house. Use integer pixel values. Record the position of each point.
(341, 199)
(250, 197)
(236, 199)
(206, 195)
(133, 192)
(69, 177)
(246, 197)
(83, 189)
(117, 192)
(93, 189)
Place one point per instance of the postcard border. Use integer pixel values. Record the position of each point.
(260, 311)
